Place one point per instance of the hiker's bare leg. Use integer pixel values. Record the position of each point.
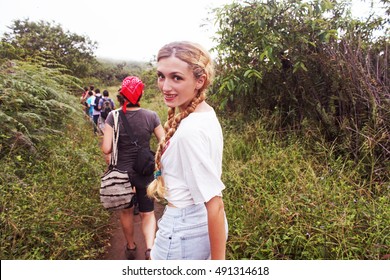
(148, 227)
(127, 222)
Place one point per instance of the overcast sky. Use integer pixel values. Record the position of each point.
(124, 29)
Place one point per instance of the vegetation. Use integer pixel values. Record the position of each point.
(302, 91)
(311, 68)
(111, 72)
(51, 46)
(49, 202)
(284, 201)
(51, 165)
(316, 184)
(37, 40)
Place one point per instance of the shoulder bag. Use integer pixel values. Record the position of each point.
(116, 191)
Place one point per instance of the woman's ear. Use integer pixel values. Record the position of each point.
(200, 81)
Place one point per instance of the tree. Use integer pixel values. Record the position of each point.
(50, 41)
(311, 67)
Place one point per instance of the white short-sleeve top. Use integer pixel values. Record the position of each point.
(192, 160)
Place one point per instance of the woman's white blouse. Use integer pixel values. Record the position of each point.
(192, 161)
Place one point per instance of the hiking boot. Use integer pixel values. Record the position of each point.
(130, 253)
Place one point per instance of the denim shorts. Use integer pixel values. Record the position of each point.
(183, 234)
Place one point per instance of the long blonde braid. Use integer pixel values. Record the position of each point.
(201, 64)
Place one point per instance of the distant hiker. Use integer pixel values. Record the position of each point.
(84, 95)
(105, 106)
(96, 111)
(120, 99)
(90, 103)
(189, 159)
(143, 123)
(83, 99)
(92, 88)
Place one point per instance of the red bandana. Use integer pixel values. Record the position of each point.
(132, 88)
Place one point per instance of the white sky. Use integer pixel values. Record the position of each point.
(125, 29)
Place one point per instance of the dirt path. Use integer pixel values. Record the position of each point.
(117, 241)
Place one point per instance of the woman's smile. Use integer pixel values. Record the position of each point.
(177, 82)
(169, 97)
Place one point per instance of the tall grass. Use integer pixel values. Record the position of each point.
(50, 202)
(51, 167)
(285, 202)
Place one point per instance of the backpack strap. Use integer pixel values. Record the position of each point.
(115, 137)
(127, 127)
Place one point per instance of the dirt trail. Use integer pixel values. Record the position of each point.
(117, 241)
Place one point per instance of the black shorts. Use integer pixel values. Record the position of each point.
(145, 203)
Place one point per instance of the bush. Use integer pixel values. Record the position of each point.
(309, 66)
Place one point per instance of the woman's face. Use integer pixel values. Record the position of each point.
(177, 82)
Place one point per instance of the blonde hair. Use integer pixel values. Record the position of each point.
(200, 63)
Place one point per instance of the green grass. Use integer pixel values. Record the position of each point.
(51, 167)
(50, 202)
(285, 202)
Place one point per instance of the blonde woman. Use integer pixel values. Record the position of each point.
(189, 159)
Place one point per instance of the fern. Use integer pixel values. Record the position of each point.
(33, 119)
(12, 123)
(60, 106)
(33, 96)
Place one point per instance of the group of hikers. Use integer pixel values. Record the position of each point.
(97, 106)
(188, 159)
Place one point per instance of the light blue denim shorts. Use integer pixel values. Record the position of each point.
(183, 234)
